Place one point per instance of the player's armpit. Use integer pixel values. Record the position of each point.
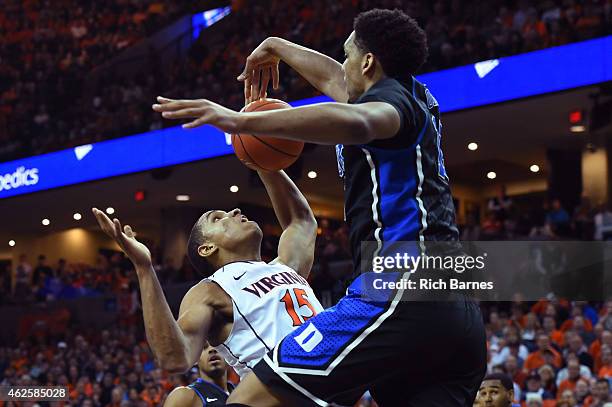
(296, 247)
(183, 397)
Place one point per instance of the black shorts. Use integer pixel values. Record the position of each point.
(406, 353)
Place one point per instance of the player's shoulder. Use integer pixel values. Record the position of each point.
(183, 396)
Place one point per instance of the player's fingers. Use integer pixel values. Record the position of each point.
(248, 68)
(188, 113)
(105, 223)
(196, 123)
(255, 84)
(127, 229)
(275, 76)
(265, 80)
(247, 88)
(164, 100)
(117, 229)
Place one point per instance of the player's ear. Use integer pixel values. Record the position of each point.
(207, 249)
(368, 64)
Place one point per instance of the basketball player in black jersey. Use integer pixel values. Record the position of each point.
(211, 389)
(387, 131)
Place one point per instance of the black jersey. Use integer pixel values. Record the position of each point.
(397, 189)
(210, 394)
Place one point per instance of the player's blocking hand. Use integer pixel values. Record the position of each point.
(202, 110)
(125, 237)
(260, 66)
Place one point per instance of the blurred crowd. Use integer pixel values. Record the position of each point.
(113, 274)
(557, 353)
(547, 219)
(47, 52)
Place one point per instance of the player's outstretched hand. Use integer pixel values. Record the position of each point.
(137, 252)
(260, 66)
(202, 110)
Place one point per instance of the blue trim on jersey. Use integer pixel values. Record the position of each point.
(340, 325)
(397, 183)
(198, 393)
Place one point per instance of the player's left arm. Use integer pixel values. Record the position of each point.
(297, 242)
(322, 123)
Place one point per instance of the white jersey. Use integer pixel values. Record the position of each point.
(269, 301)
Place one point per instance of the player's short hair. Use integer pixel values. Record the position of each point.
(504, 379)
(197, 238)
(394, 38)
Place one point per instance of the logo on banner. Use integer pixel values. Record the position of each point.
(20, 178)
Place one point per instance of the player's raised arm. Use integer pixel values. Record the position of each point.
(296, 246)
(321, 71)
(321, 123)
(176, 344)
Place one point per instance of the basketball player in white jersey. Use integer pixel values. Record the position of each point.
(247, 306)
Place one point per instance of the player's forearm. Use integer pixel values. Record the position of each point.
(321, 71)
(324, 123)
(163, 333)
(289, 203)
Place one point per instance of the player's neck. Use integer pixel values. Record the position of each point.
(220, 380)
(371, 81)
(237, 257)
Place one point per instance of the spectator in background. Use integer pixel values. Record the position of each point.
(536, 359)
(23, 279)
(582, 391)
(573, 376)
(583, 220)
(547, 375)
(501, 204)
(42, 270)
(577, 347)
(600, 394)
(558, 219)
(603, 223)
(533, 385)
(605, 370)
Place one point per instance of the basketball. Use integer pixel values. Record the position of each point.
(263, 152)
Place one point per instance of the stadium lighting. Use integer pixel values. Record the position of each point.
(312, 174)
(77, 216)
(491, 175)
(473, 146)
(234, 188)
(183, 198)
(46, 222)
(577, 129)
(110, 210)
(534, 168)
(11, 243)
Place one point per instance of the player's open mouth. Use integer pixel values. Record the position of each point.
(214, 358)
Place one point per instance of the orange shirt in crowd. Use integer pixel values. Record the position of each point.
(558, 338)
(605, 372)
(566, 384)
(536, 360)
(569, 324)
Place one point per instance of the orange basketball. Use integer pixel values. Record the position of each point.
(264, 152)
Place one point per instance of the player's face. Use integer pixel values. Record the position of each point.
(353, 76)
(493, 394)
(230, 229)
(211, 363)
